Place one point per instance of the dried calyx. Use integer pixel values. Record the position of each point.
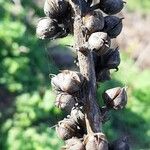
(109, 7)
(65, 101)
(56, 8)
(93, 21)
(96, 141)
(49, 28)
(113, 26)
(99, 42)
(110, 60)
(67, 129)
(74, 144)
(115, 98)
(68, 81)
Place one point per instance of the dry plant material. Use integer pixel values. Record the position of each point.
(65, 101)
(96, 141)
(76, 91)
(68, 81)
(113, 26)
(115, 98)
(55, 8)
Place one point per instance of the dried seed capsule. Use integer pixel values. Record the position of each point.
(96, 141)
(99, 42)
(78, 115)
(74, 144)
(120, 144)
(115, 98)
(65, 101)
(113, 59)
(68, 81)
(67, 129)
(93, 21)
(111, 7)
(48, 28)
(55, 8)
(113, 26)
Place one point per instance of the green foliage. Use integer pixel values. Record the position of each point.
(27, 109)
(139, 5)
(32, 138)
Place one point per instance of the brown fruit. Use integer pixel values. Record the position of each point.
(55, 8)
(67, 129)
(113, 26)
(99, 42)
(46, 28)
(111, 7)
(96, 141)
(74, 144)
(68, 81)
(93, 21)
(115, 98)
(65, 101)
(113, 59)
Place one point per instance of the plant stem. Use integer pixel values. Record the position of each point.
(86, 65)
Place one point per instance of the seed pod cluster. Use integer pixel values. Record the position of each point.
(55, 24)
(99, 28)
(67, 84)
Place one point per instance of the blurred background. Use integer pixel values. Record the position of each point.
(27, 111)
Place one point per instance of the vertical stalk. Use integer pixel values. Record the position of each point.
(86, 65)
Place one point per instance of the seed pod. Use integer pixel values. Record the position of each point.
(55, 8)
(74, 144)
(120, 144)
(99, 42)
(65, 101)
(48, 28)
(115, 98)
(68, 81)
(78, 115)
(93, 21)
(96, 141)
(67, 129)
(111, 7)
(113, 59)
(113, 26)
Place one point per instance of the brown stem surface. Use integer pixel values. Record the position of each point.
(86, 65)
